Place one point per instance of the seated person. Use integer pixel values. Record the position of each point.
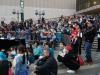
(38, 50)
(31, 57)
(68, 58)
(47, 65)
(49, 47)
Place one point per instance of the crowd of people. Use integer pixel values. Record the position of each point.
(42, 39)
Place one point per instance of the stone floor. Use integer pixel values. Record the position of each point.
(93, 69)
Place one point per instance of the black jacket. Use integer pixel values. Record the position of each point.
(89, 34)
(47, 66)
(70, 61)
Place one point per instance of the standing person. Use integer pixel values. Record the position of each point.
(89, 35)
(80, 41)
(79, 37)
(20, 63)
(46, 65)
(74, 40)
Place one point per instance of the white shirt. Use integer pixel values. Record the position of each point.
(63, 53)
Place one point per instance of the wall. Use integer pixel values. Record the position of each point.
(60, 4)
(49, 12)
(52, 8)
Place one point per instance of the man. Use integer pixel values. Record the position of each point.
(89, 35)
(46, 65)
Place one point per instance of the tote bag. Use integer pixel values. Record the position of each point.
(80, 59)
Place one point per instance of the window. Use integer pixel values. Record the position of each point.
(83, 4)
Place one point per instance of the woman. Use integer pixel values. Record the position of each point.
(75, 40)
(68, 59)
(79, 37)
(20, 62)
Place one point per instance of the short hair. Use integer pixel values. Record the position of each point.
(21, 48)
(36, 41)
(63, 43)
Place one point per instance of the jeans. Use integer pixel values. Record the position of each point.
(58, 37)
(88, 47)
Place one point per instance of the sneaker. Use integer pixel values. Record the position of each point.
(90, 62)
(70, 71)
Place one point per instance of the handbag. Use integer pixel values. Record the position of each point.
(80, 59)
(11, 71)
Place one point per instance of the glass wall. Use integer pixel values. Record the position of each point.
(83, 4)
